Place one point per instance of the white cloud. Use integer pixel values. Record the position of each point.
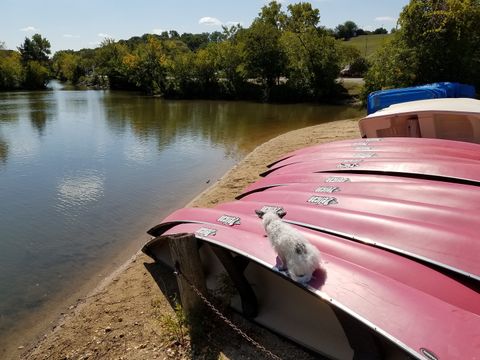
(157, 31)
(96, 43)
(29, 28)
(385, 19)
(104, 35)
(209, 21)
(70, 36)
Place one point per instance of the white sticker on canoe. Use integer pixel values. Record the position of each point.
(363, 147)
(327, 189)
(229, 220)
(206, 232)
(348, 164)
(360, 144)
(322, 200)
(366, 142)
(365, 155)
(337, 179)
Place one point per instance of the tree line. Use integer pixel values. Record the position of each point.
(285, 55)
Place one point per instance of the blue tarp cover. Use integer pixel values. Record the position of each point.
(384, 98)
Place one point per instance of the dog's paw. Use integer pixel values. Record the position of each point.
(301, 279)
(280, 270)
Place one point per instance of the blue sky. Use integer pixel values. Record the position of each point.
(69, 24)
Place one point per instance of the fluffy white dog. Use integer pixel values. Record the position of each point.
(295, 252)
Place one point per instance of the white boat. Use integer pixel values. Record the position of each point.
(450, 118)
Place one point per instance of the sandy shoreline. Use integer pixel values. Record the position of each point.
(122, 317)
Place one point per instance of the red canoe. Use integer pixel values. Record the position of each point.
(409, 145)
(330, 178)
(422, 311)
(454, 170)
(457, 196)
(438, 235)
(381, 155)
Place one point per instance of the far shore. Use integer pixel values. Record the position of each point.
(122, 317)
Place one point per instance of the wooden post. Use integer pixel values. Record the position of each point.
(184, 252)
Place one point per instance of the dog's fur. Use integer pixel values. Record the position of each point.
(295, 252)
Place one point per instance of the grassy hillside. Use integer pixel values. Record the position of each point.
(367, 44)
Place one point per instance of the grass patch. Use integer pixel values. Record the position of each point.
(367, 44)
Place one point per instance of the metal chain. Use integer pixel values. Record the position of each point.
(227, 321)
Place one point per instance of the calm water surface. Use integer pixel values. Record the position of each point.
(84, 173)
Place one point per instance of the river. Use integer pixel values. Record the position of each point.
(83, 175)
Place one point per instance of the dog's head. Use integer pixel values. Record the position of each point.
(279, 212)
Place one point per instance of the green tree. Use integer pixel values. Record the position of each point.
(380, 30)
(359, 66)
(36, 75)
(35, 49)
(272, 14)
(313, 60)
(147, 67)
(265, 58)
(395, 65)
(34, 54)
(437, 40)
(347, 54)
(216, 36)
(181, 70)
(302, 18)
(445, 37)
(11, 70)
(67, 66)
(195, 41)
(109, 59)
(205, 70)
(230, 63)
(346, 30)
(174, 34)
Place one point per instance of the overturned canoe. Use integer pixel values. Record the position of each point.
(408, 145)
(443, 237)
(443, 160)
(328, 179)
(398, 298)
(454, 170)
(460, 197)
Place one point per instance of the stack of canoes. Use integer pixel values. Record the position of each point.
(396, 222)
